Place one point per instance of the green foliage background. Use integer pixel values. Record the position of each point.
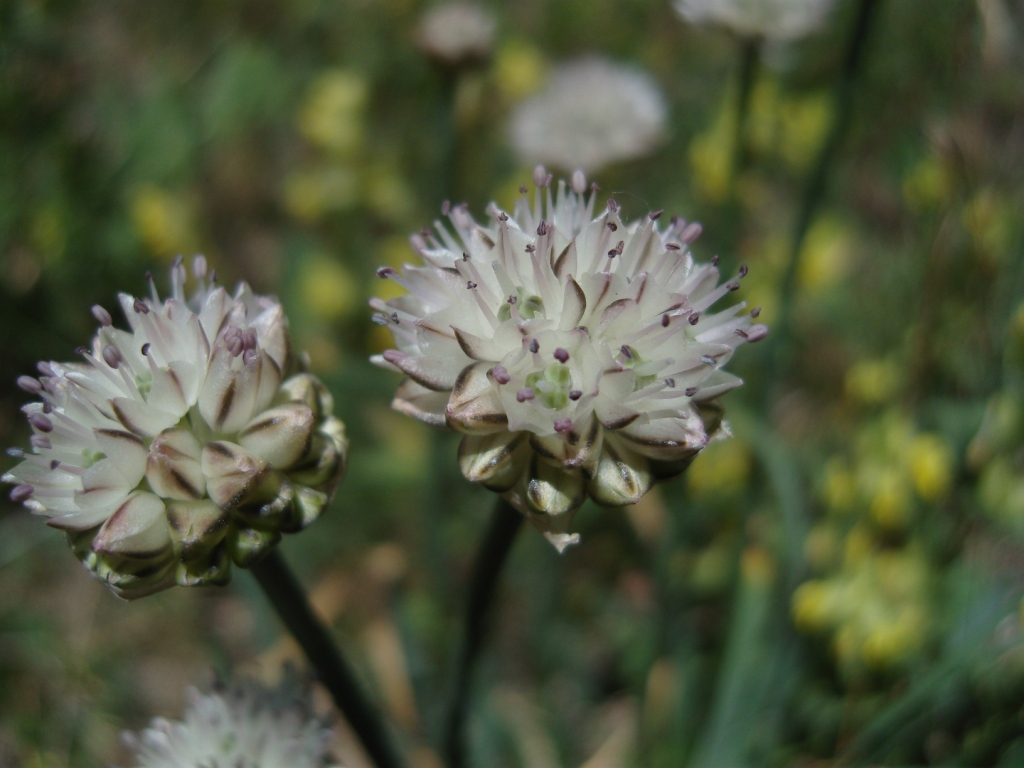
(839, 585)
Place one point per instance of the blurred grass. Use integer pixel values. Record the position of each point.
(297, 144)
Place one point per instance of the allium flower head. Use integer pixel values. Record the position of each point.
(773, 19)
(591, 112)
(246, 726)
(457, 32)
(577, 355)
(182, 444)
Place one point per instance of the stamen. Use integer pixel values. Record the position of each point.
(140, 307)
(694, 318)
(501, 374)
(40, 442)
(112, 356)
(755, 312)
(21, 493)
(102, 316)
(199, 266)
(534, 346)
(40, 422)
(30, 385)
(575, 394)
(563, 425)
(691, 391)
(561, 355)
(525, 394)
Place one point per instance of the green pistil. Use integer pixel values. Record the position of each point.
(530, 306)
(552, 385)
(632, 360)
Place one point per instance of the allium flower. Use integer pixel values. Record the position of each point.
(577, 354)
(774, 19)
(183, 444)
(591, 112)
(247, 726)
(457, 32)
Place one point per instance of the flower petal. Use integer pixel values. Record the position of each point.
(137, 529)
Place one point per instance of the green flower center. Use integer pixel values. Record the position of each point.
(552, 385)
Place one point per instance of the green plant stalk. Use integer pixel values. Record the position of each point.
(493, 552)
(288, 598)
(750, 55)
(817, 182)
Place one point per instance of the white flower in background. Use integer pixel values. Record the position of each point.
(578, 355)
(590, 113)
(457, 32)
(246, 726)
(181, 445)
(773, 19)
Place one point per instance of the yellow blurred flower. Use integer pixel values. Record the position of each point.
(387, 193)
(928, 184)
(813, 608)
(990, 220)
(309, 194)
(890, 504)
(164, 221)
(331, 117)
(821, 548)
(931, 466)
(711, 155)
(826, 254)
(804, 121)
(872, 382)
(721, 469)
(519, 69)
(327, 288)
(839, 488)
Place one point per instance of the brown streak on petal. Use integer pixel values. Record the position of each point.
(183, 483)
(123, 418)
(121, 435)
(223, 450)
(273, 421)
(625, 421)
(225, 403)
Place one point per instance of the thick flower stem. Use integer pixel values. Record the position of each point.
(289, 600)
(493, 552)
(750, 53)
(817, 183)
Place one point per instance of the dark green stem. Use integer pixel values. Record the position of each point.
(490, 558)
(750, 53)
(817, 183)
(287, 596)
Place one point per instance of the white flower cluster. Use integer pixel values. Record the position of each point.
(246, 726)
(457, 32)
(578, 355)
(780, 20)
(592, 112)
(181, 445)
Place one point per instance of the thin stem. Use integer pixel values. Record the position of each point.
(750, 53)
(817, 183)
(490, 558)
(287, 596)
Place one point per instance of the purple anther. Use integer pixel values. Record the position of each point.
(708, 360)
(617, 250)
(102, 316)
(385, 272)
(691, 233)
(21, 493)
(755, 312)
(502, 217)
(561, 355)
(756, 333)
(81, 350)
(465, 256)
(743, 270)
(54, 464)
(672, 246)
(714, 261)
(733, 286)
(30, 385)
(249, 355)
(501, 374)
(234, 344)
(534, 346)
(525, 394)
(513, 300)
(148, 275)
(446, 207)
(594, 187)
(40, 442)
(522, 189)
(40, 422)
(691, 391)
(613, 206)
(692, 319)
(112, 356)
(394, 318)
(542, 228)
(670, 383)
(665, 320)
(613, 226)
(47, 406)
(45, 369)
(213, 275)
(140, 307)
(627, 351)
(145, 349)
(563, 425)
(575, 394)
(249, 339)
(655, 215)
(531, 248)
(470, 284)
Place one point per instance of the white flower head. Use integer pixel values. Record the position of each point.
(773, 19)
(578, 355)
(591, 112)
(182, 444)
(245, 726)
(457, 32)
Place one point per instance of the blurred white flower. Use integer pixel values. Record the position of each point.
(457, 32)
(179, 446)
(773, 19)
(246, 726)
(578, 355)
(591, 112)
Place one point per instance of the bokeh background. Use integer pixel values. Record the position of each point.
(839, 584)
